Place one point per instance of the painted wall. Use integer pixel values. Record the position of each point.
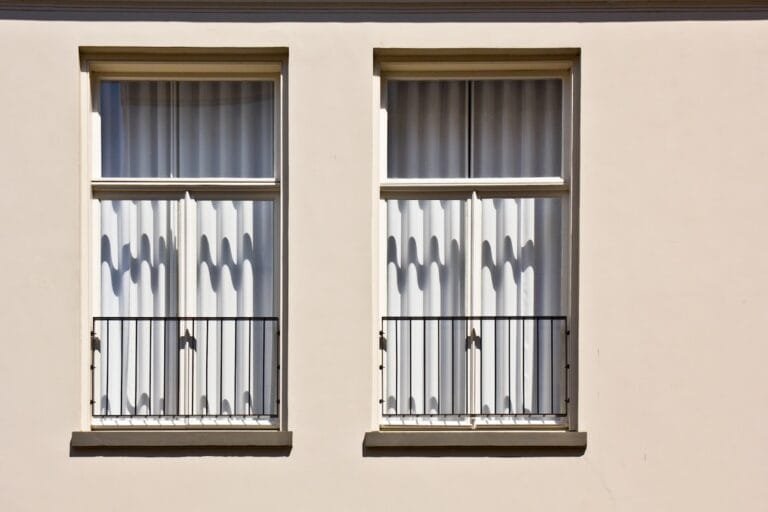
(673, 285)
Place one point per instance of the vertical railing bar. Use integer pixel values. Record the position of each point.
(136, 369)
(263, 367)
(480, 352)
(424, 365)
(495, 368)
(165, 367)
(535, 370)
(397, 368)
(235, 398)
(108, 404)
(221, 366)
(250, 377)
(509, 364)
(566, 375)
(178, 367)
(207, 396)
(93, 367)
(439, 366)
(382, 350)
(122, 360)
(151, 367)
(453, 370)
(552, 366)
(193, 369)
(410, 366)
(278, 367)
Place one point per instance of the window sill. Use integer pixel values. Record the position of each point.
(550, 443)
(232, 442)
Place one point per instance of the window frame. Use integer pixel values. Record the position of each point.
(98, 65)
(466, 65)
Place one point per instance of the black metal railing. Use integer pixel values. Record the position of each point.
(185, 367)
(457, 366)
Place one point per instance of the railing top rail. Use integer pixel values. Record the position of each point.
(477, 317)
(181, 318)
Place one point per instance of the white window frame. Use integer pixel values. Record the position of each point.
(186, 192)
(440, 65)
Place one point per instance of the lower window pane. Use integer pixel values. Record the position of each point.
(426, 359)
(137, 374)
(523, 358)
(235, 360)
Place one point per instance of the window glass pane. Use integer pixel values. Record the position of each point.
(235, 258)
(521, 256)
(427, 129)
(522, 276)
(226, 129)
(516, 128)
(136, 129)
(236, 365)
(425, 277)
(138, 278)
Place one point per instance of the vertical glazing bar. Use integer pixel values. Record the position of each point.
(250, 378)
(136, 369)
(552, 366)
(151, 367)
(263, 367)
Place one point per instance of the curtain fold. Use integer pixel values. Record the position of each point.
(138, 278)
(188, 129)
(236, 361)
(425, 277)
(516, 128)
(427, 129)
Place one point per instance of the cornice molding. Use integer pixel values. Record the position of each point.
(393, 5)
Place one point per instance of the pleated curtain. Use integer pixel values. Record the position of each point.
(485, 129)
(189, 130)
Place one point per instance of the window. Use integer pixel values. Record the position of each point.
(476, 234)
(186, 235)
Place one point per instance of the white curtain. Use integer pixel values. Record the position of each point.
(427, 129)
(226, 129)
(189, 129)
(517, 128)
(137, 125)
(521, 275)
(426, 360)
(235, 361)
(138, 359)
(516, 131)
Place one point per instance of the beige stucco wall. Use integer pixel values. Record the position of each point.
(673, 284)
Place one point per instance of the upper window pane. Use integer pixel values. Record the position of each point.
(516, 128)
(203, 129)
(136, 129)
(427, 129)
